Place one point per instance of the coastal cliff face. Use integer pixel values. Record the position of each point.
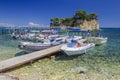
(84, 25)
(88, 25)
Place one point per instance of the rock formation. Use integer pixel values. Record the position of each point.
(81, 20)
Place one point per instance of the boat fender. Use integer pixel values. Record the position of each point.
(78, 45)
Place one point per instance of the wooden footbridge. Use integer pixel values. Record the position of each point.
(20, 60)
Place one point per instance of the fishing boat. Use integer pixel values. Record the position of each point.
(75, 48)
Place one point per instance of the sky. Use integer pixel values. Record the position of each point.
(39, 12)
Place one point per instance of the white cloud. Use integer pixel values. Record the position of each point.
(6, 25)
(32, 24)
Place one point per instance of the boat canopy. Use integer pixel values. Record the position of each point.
(49, 31)
(34, 31)
(75, 29)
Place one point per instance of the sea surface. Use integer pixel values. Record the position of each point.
(8, 47)
(103, 61)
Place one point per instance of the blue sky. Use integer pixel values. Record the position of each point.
(39, 12)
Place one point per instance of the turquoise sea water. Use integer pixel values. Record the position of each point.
(8, 47)
(112, 48)
(102, 62)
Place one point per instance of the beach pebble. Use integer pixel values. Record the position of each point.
(80, 70)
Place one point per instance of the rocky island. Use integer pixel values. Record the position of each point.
(80, 19)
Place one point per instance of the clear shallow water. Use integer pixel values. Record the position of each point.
(102, 62)
(8, 47)
(112, 48)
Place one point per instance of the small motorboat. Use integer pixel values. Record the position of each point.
(75, 48)
(34, 46)
(39, 46)
(69, 38)
(15, 36)
(98, 40)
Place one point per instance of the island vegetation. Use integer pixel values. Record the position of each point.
(80, 19)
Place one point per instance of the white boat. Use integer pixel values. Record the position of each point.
(75, 48)
(98, 40)
(39, 46)
(34, 46)
(15, 36)
(69, 38)
(77, 37)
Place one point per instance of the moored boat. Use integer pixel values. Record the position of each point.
(39, 46)
(98, 40)
(75, 48)
(34, 46)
